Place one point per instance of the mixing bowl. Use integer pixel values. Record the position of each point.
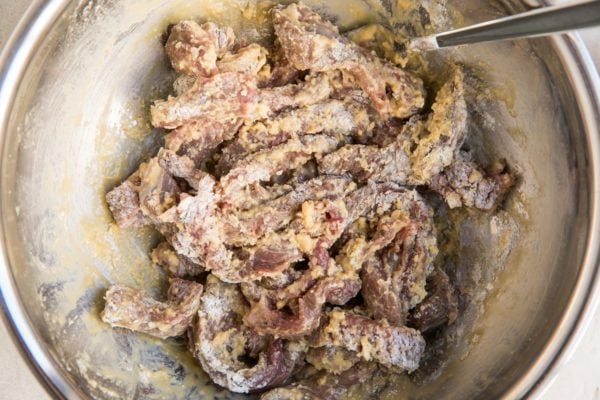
(76, 80)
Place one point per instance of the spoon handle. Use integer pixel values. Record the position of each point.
(539, 22)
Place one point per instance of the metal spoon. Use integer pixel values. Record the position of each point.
(539, 22)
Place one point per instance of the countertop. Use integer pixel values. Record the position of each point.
(578, 378)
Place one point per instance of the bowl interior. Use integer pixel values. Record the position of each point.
(80, 126)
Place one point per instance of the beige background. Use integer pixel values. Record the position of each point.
(579, 378)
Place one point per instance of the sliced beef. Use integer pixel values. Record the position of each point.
(397, 347)
(324, 386)
(313, 89)
(394, 280)
(198, 140)
(331, 116)
(364, 162)
(440, 307)
(158, 190)
(266, 319)
(466, 184)
(265, 164)
(373, 196)
(129, 308)
(221, 98)
(221, 342)
(438, 139)
(124, 203)
(311, 43)
(326, 117)
(194, 49)
(246, 227)
(180, 167)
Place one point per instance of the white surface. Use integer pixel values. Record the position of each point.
(579, 378)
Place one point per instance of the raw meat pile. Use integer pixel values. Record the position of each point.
(300, 250)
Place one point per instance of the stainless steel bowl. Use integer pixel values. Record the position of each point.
(75, 82)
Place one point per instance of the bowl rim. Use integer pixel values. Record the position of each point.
(583, 75)
(20, 48)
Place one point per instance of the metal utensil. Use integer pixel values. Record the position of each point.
(539, 22)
